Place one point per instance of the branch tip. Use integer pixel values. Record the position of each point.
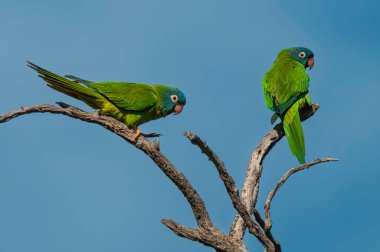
(156, 144)
(180, 230)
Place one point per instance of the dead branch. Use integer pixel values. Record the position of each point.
(268, 221)
(208, 234)
(251, 184)
(233, 192)
(180, 230)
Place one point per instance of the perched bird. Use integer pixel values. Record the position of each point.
(285, 88)
(130, 103)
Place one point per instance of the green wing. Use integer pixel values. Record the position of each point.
(128, 96)
(283, 84)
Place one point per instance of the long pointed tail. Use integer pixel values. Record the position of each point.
(294, 133)
(71, 88)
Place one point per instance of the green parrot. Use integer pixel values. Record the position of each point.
(285, 88)
(130, 103)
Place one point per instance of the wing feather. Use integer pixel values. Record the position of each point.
(283, 83)
(128, 96)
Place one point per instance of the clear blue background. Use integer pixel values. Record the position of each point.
(66, 185)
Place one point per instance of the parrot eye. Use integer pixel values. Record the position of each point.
(174, 98)
(302, 55)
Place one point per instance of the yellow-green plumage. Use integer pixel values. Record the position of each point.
(285, 88)
(130, 103)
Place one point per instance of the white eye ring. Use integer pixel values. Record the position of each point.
(302, 54)
(174, 98)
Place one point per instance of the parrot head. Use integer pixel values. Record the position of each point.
(302, 55)
(172, 99)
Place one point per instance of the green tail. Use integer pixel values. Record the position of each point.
(294, 133)
(71, 88)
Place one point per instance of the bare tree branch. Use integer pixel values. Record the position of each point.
(206, 233)
(258, 218)
(150, 149)
(127, 134)
(268, 221)
(233, 192)
(255, 166)
(180, 230)
(210, 237)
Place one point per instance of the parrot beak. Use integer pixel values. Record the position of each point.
(178, 108)
(310, 63)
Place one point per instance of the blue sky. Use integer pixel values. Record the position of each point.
(66, 185)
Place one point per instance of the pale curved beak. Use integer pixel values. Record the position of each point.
(178, 108)
(310, 63)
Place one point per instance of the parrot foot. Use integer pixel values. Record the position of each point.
(138, 133)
